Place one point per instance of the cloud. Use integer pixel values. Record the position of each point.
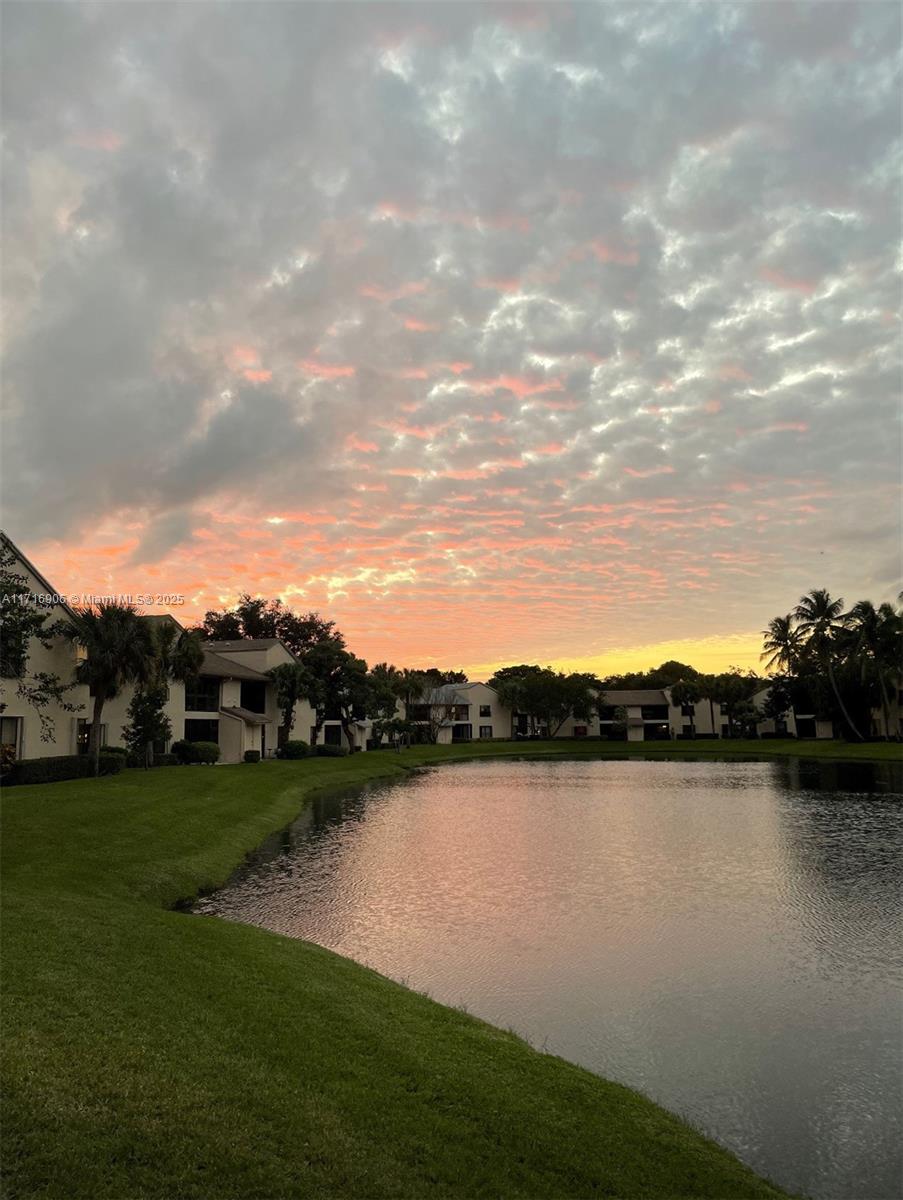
(518, 319)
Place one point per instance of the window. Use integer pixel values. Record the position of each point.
(462, 733)
(83, 735)
(254, 695)
(654, 712)
(687, 710)
(13, 655)
(485, 731)
(9, 738)
(460, 712)
(332, 735)
(201, 731)
(581, 730)
(485, 710)
(607, 712)
(202, 694)
(419, 712)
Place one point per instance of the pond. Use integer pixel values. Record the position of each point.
(724, 936)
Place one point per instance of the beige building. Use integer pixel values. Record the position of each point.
(22, 733)
(461, 712)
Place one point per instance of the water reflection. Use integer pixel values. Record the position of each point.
(725, 936)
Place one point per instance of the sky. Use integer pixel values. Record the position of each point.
(562, 333)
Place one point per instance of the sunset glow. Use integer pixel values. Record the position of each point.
(556, 334)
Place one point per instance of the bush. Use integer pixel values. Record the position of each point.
(115, 750)
(207, 752)
(252, 756)
(293, 749)
(63, 766)
(195, 752)
(331, 751)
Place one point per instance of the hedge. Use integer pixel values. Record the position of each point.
(196, 752)
(331, 751)
(63, 766)
(252, 756)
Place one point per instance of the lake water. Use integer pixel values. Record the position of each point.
(725, 936)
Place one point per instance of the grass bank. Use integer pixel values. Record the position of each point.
(149, 1053)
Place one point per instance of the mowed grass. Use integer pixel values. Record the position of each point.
(152, 1053)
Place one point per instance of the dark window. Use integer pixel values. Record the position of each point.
(254, 695)
(202, 694)
(485, 710)
(805, 727)
(654, 712)
(462, 733)
(201, 731)
(13, 655)
(9, 737)
(687, 710)
(333, 713)
(419, 712)
(460, 712)
(656, 733)
(607, 712)
(83, 735)
(485, 731)
(332, 735)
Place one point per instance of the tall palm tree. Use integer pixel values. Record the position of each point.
(119, 650)
(688, 692)
(821, 623)
(292, 684)
(782, 645)
(176, 655)
(875, 634)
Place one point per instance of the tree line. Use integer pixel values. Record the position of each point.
(841, 664)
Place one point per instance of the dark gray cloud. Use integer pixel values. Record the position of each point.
(614, 271)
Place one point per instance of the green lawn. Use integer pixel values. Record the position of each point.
(153, 1053)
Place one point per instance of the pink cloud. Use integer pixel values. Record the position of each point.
(326, 370)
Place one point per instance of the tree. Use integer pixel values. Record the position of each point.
(733, 690)
(821, 625)
(177, 655)
(564, 696)
(148, 723)
(387, 685)
(436, 677)
(255, 617)
(513, 685)
(119, 651)
(293, 683)
(779, 701)
(21, 622)
(323, 663)
(782, 645)
(351, 693)
(875, 636)
(688, 693)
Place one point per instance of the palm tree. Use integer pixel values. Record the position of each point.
(292, 684)
(119, 650)
(687, 693)
(875, 636)
(176, 655)
(820, 623)
(782, 645)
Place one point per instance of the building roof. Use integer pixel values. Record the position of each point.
(225, 668)
(241, 645)
(251, 718)
(633, 696)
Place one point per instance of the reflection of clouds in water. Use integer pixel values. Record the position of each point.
(717, 934)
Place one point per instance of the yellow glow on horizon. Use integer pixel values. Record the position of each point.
(708, 655)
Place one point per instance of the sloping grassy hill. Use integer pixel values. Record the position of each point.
(149, 1053)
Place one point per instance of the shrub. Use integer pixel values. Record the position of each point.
(110, 764)
(63, 766)
(182, 751)
(123, 750)
(331, 751)
(160, 760)
(293, 749)
(207, 752)
(195, 752)
(252, 756)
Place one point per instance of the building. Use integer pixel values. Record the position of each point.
(460, 712)
(22, 732)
